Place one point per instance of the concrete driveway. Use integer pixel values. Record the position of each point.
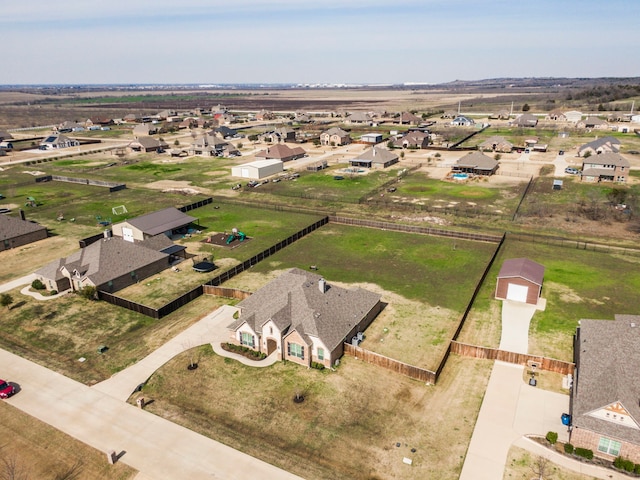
(155, 447)
(26, 280)
(516, 318)
(211, 329)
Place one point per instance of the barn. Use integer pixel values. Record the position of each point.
(520, 280)
(258, 170)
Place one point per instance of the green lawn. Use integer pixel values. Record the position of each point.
(577, 284)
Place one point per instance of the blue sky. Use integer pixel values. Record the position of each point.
(306, 41)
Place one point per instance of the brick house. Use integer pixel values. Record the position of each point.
(600, 145)
(335, 136)
(303, 318)
(496, 144)
(375, 158)
(606, 167)
(413, 139)
(281, 152)
(605, 413)
(476, 163)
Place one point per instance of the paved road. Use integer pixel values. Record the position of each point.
(155, 447)
(211, 329)
(26, 280)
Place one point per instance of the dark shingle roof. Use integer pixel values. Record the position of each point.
(522, 267)
(294, 302)
(609, 359)
(12, 227)
(377, 155)
(161, 221)
(609, 158)
(477, 160)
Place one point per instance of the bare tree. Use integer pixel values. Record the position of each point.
(71, 473)
(11, 469)
(540, 467)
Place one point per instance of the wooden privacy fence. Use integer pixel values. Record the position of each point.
(226, 292)
(543, 363)
(373, 358)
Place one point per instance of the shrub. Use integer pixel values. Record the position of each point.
(628, 465)
(54, 292)
(37, 285)
(568, 448)
(318, 366)
(618, 462)
(636, 469)
(584, 453)
(89, 292)
(552, 437)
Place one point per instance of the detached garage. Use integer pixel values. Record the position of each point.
(520, 280)
(258, 170)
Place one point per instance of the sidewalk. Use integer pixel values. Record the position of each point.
(155, 447)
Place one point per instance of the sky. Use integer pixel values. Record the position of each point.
(315, 42)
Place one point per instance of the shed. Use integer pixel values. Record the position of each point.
(371, 138)
(520, 280)
(557, 184)
(258, 169)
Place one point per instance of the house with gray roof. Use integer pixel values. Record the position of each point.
(375, 157)
(476, 163)
(56, 141)
(303, 318)
(4, 135)
(593, 122)
(600, 145)
(359, 118)
(605, 167)
(148, 144)
(605, 412)
(281, 152)
(413, 139)
(211, 145)
(408, 118)
(15, 232)
(496, 143)
(167, 221)
(463, 121)
(525, 120)
(110, 264)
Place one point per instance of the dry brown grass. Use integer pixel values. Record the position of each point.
(518, 467)
(41, 451)
(348, 425)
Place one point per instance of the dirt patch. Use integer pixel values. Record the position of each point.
(176, 186)
(566, 294)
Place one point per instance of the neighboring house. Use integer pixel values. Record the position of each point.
(69, 126)
(210, 145)
(408, 118)
(168, 221)
(375, 157)
(359, 118)
(303, 318)
(462, 121)
(335, 136)
(371, 138)
(573, 116)
(520, 280)
(130, 118)
(145, 129)
(265, 115)
(15, 232)
(556, 115)
(5, 136)
(54, 142)
(593, 123)
(258, 170)
(606, 167)
(605, 414)
(496, 144)
(148, 144)
(281, 134)
(450, 114)
(525, 120)
(110, 264)
(476, 163)
(500, 115)
(226, 132)
(281, 152)
(413, 139)
(600, 145)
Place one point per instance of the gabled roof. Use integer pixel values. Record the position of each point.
(608, 362)
(336, 131)
(593, 120)
(523, 268)
(609, 158)
(496, 140)
(477, 160)
(12, 227)
(280, 151)
(612, 142)
(150, 142)
(525, 119)
(105, 260)
(161, 221)
(5, 135)
(294, 301)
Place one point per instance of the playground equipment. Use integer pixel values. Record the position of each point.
(31, 202)
(235, 234)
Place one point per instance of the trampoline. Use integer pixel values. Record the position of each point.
(204, 267)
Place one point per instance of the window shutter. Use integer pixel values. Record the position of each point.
(288, 349)
(253, 341)
(302, 352)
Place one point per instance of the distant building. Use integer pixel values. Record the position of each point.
(15, 232)
(258, 170)
(375, 157)
(57, 141)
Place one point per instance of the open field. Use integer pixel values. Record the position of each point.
(39, 451)
(577, 284)
(348, 424)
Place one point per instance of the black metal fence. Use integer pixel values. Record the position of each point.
(194, 205)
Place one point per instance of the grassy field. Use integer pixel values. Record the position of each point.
(414, 274)
(520, 463)
(577, 284)
(348, 425)
(39, 451)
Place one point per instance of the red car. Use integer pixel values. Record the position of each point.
(6, 390)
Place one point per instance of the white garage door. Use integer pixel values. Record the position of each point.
(245, 173)
(517, 292)
(127, 234)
